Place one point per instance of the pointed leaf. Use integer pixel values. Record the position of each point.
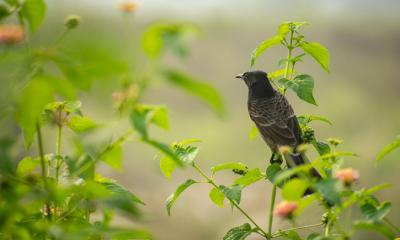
(264, 46)
(217, 197)
(389, 148)
(238, 233)
(294, 189)
(167, 166)
(376, 227)
(318, 52)
(234, 193)
(34, 11)
(250, 177)
(230, 166)
(302, 85)
(172, 198)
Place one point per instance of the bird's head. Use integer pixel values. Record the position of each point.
(257, 82)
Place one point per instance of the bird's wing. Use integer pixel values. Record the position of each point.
(276, 121)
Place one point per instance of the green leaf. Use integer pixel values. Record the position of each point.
(234, 193)
(250, 177)
(217, 197)
(165, 149)
(375, 213)
(115, 188)
(264, 46)
(314, 236)
(167, 166)
(27, 165)
(307, 118)
(318, 52)
(389, 148)
(229, 166)
(304, 202)
(172, 198)
(131, 234)
(292, 235)
(34, 11)
(187, 154)
(30, 104)
(253, 132)
(238, 233)
(329, 190)
(272, 171)
(113, 157)
(4, 12)
(294, 189)
(321, 147)
(142, 115)
(80, 124)
(378, 188)
(198, 88)
(302, 85)
(376, 227)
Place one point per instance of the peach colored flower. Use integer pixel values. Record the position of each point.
(128, 6)
(286, 209)
(10, 34)
(347, 175)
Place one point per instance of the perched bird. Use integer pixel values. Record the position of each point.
(274, 117)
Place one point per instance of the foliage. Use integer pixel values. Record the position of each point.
(54, 195)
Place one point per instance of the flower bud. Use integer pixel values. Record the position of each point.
(286, 209)
(302, 148)
(72, 21)
(285, 150)
(307, 134)
(11, 34)
(334, 141)
(347, 176)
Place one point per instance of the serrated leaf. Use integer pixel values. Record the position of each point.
(81, 124)
(264, 46)
(186, 154)
(172, 198)
(34, 11)
(229, 166)
(321, 147)
(167, 166)
(318, 52)
(375, 213)
(115, 188)
(389, 148)
(233, 193)
(302, 85)
(203, 90)
(165, 149)
(217, 197)
(294, 189)
(250, 177)
(328, 188)
(376, 227)
(238, 233)
(143, 114)
(253, 132)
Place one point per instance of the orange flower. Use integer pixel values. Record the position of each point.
(128, 6)
(347, 175)
(10, 34)
(286, 209)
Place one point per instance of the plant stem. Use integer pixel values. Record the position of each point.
(289, 55)
(279, 233)
(391, 224)
(58, 151)
(327, 229)
(233, 202)
(271, 211)
(43, 167)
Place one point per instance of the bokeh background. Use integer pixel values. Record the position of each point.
(361, 96)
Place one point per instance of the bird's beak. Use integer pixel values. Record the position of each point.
(239, 76)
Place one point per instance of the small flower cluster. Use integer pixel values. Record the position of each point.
(286, 209)
(347, 176)
(128, 6)
(307, 134)
(11, 34)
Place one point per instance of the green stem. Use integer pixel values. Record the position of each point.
(43, 166)
(391, 224)
(327, 229)
(58, 151)
(271, 211)
(279, 233)
(233, 202)
(289, 55)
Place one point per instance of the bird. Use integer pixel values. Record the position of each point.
(274, 118)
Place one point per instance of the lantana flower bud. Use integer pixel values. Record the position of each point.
(286, 209)
(11, 34)
(347, 176)
(128, 6)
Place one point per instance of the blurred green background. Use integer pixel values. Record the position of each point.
(361, 95)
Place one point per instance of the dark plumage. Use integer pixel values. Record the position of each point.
(273, 116)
